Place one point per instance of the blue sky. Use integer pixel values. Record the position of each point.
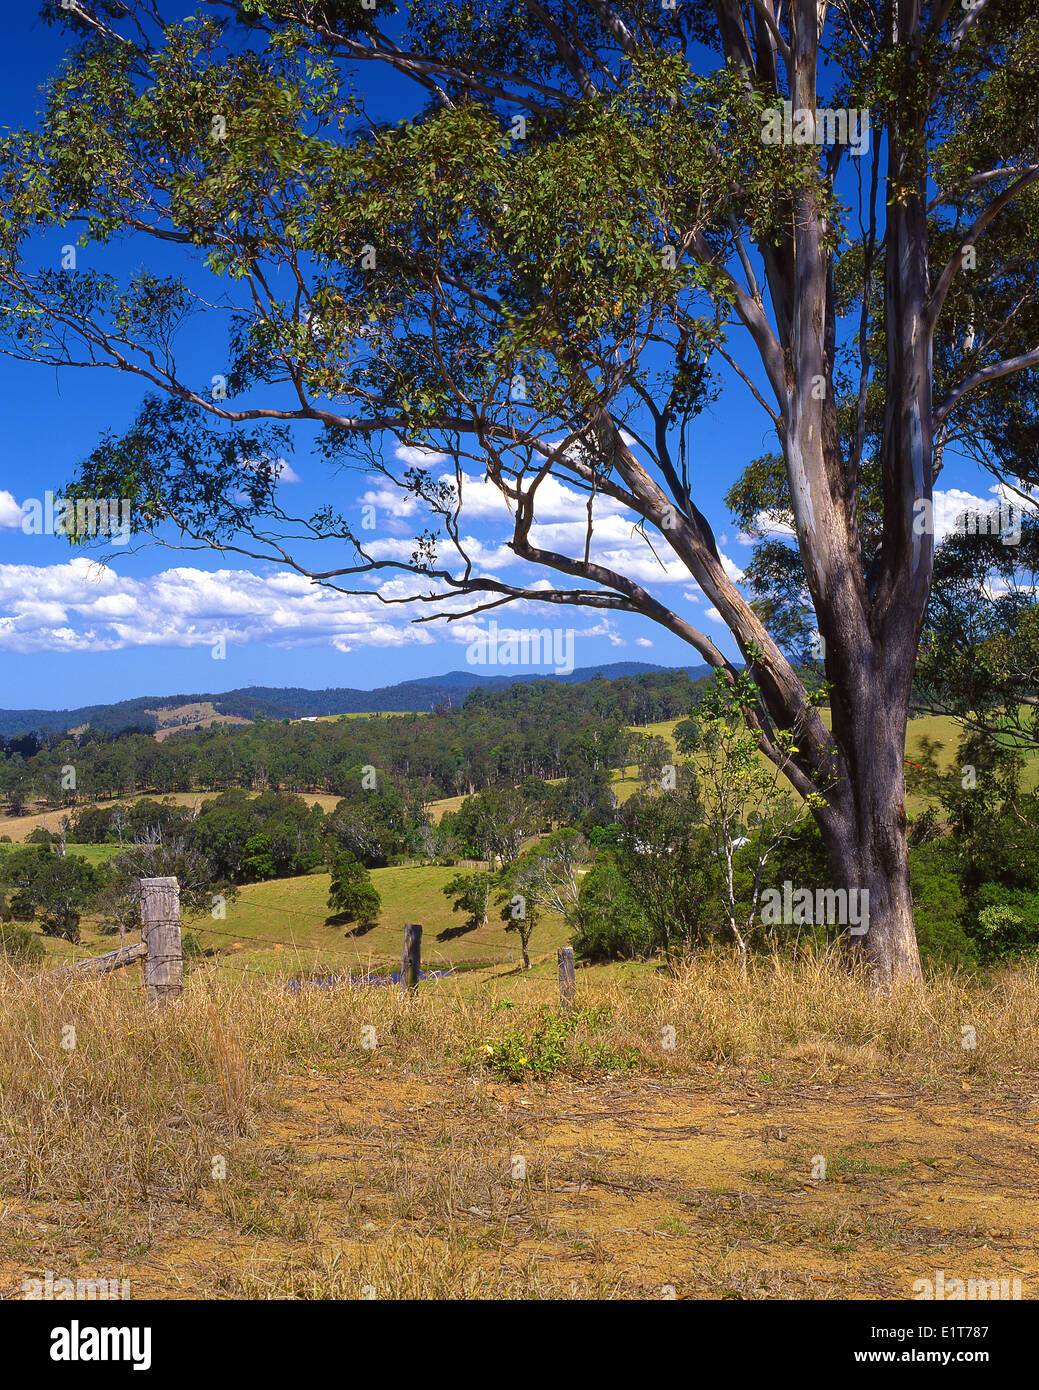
(74, 632)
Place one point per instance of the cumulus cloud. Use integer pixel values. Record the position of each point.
(284, 472)
(393, 501)
(416, 457)
(11, 512)
(85, 606)
(950, 505)
(553, 501)
(771, 524)
(733, 571)
(1029, 501)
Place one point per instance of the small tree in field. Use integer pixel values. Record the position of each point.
(549, 874)
(56, 891)
(520, 914)
(351, 894)
(471, 894)
(743, 800)
(547, 878)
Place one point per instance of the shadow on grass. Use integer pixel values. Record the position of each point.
(340, 919)
(450, 933)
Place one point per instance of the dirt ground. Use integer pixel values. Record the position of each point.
(372, 1182)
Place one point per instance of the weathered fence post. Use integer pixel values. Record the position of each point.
(160, 928)
(567, 978)
(411, 957)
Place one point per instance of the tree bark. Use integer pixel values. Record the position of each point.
(865, 831)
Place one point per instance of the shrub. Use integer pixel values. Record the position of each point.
(939, 907)
(1006, 922)
(608, 920)
(191, 945)
(19, 945)
(552, 1043)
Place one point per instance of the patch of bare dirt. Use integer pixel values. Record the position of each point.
(452, 1186)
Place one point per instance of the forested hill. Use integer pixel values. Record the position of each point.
(145, 712)
(545, 729)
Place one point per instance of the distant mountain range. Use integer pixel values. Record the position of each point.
(154, 712)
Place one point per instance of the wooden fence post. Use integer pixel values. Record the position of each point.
(411, 957)
(160, 928)
(567, 978)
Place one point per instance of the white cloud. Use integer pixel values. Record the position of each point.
(416, 457)
(772, 524)
(1029, 503)
(84, 606)
(733, 571)
(11, 512)
(554, 500)
(950, 505)
(387, 498)
(39, 614)
(284, 472)
(643, 642)
(281, 470)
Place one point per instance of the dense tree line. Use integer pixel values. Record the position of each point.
(544, 729)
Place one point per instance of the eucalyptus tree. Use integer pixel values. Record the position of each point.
(979, 659)
(583, 210)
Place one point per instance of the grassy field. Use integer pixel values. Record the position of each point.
(284, 926)
(941, 728)
(94, 854)
(201, 714)
(358, 714)
(369, 1141)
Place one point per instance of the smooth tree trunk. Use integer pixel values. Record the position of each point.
(864, 825)
(868, 851)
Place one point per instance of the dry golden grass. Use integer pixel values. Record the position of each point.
(388, 1166)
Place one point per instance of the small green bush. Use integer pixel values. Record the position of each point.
(1007, 922)
(608, 919)
(939, 906)
(19, 945)
(554, 1043)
